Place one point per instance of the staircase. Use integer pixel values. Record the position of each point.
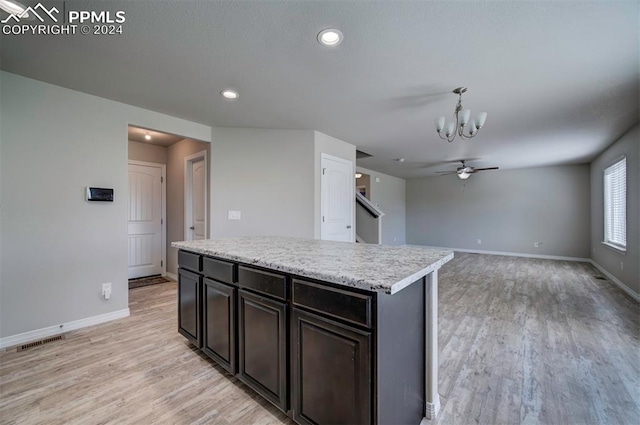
(368, 221)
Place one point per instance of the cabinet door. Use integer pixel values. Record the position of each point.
(331, 367)
(219, 321)
(262, 346)
(189, 293)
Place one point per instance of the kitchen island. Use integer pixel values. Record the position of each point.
(329, 332)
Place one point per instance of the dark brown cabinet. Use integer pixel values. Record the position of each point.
(331, 367)
(189, 293)
(322, 353)
(262, 332)
(219, 323)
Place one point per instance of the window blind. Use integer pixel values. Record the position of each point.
(615, 204)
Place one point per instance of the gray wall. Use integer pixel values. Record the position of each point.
(175, 193)
(147, 152)
(58, 248)
(508, 210)
(389, 195)
(609, 258)
(268, 176)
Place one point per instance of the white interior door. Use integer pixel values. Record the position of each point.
(145, 220)
(196, 197)
(337, 199)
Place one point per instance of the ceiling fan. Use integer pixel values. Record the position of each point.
(465, 171)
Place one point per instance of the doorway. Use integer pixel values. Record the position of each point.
(337, 199)
(147, 230)
(195, 196)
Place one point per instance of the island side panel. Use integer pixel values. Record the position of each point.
(400, 349)
(432, 405)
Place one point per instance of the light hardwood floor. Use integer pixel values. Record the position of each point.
(522, 341)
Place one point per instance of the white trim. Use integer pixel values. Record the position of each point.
(163, 189)
(431, 396)
(633, 294)
(620, 250)
(188, 175)
(172, 276)
(25, 337)
(513, 254)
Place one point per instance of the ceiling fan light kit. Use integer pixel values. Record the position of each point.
(465, 171)
(462, 123)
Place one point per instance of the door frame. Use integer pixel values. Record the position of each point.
(188, 191)
(163, 219)
(324, 156)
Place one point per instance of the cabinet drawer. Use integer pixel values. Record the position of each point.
(265, 282)
(188, 260)
(350, 306)
(219, 270)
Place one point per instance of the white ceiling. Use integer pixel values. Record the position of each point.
(137, 134)
(559, 79)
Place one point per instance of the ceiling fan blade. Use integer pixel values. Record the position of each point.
(485, 169)
(444, 173)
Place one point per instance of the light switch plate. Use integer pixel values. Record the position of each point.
(234, 215)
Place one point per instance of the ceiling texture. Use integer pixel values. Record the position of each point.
(559, 79)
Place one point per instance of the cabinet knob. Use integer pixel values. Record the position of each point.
(192, 228)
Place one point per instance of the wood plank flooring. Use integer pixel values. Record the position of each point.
(522, 341)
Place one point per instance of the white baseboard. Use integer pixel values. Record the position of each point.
(171, 276)
(10, 341)
(514, 254)
(633, 294)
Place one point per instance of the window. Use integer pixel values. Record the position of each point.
(615, 204)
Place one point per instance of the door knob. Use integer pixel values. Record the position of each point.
(192, 228)
(348, 226)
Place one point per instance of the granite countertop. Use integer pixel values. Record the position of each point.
(379, 268)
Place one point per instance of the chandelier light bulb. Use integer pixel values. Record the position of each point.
(450, 128)
(464, 117)
(439, 124)
(480, 120)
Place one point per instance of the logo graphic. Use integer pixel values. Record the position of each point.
(31, 11)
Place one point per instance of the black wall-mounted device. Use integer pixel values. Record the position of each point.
(97, 194)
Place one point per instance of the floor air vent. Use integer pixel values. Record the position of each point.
(41, 342)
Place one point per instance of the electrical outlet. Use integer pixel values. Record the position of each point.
(234, 215)
(106, 290)
(479, 241)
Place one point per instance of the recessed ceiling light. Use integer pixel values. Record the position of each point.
(400, 160)
(358, 175)
(330, 37)
(147, 136)
(229, 94)
(12, 7)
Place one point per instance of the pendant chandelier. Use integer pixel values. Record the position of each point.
(462, 127)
